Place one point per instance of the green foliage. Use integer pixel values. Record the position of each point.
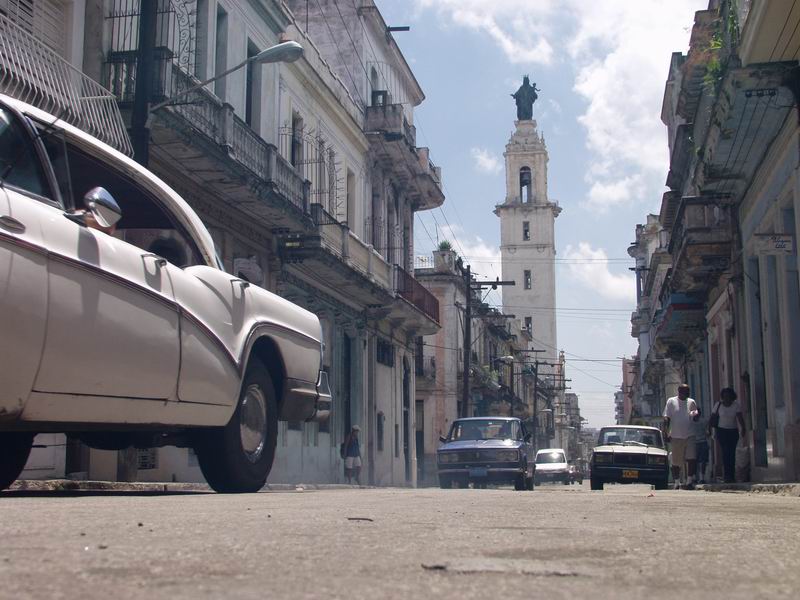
(445, 245)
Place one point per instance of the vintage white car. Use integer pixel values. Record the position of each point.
(118, 324)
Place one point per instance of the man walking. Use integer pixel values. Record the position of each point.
(679, 414)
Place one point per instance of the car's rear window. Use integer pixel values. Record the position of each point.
(550, 457)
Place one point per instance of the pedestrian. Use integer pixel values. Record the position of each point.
(352, 456)
(700, 432)
(727, 422)
(679, 414)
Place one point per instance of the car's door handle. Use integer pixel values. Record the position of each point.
(12, 224)
(161, 262)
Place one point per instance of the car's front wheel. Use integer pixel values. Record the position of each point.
(596, 484)
(15, 448)
(238, 457)
(662, 484)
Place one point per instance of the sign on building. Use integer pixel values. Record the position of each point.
(773, 243)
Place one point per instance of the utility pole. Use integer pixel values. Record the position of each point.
(469, 286)
(143, 93)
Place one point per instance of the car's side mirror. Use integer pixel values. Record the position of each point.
(103, 207)
(442, 439)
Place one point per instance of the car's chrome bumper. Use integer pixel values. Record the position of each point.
(645, 474)
(324, 398)
(490, 471)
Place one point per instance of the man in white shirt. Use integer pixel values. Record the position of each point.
(679, 413)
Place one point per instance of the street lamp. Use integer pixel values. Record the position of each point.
(283, 52)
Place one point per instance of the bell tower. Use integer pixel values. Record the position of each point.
(527, 232)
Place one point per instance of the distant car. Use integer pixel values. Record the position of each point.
(483, 450)
(629, 454)
(575, 474)
(118, 324)
(551, 465)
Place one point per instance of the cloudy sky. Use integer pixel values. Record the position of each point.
(601, 67)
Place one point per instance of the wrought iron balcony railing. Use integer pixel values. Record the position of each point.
(32, 72)
(413, 291)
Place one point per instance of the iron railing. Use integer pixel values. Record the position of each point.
(413, 291)
(35, 74)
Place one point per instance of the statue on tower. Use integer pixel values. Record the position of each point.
(525, 96)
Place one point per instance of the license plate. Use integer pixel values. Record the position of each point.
(482, 472)
(630, 474)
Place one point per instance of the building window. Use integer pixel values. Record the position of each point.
(526, 231)
(297, 140)
(397, 440)
(350, 198)
(529, 323)
(252, 108)
(419, 357)
(201, 40)
(147, 459)
(221, 51)
(528, 279)
(385, 353)
(379, 430)
(525, 185)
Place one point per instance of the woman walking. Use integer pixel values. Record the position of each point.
(728, 424)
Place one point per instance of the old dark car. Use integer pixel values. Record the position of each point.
(482, 450)
(629, 454)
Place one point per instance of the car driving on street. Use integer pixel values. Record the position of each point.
(552, 466)
(483, 450)
(629, 454)
(119, 325)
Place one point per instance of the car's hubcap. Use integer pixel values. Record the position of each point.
(252, 422)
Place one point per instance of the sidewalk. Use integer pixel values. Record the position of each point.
(70, 485)
(779, 489)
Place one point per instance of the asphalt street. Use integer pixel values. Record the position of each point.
(555, 542)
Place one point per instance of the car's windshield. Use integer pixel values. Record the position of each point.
(630, 436)
(550, 457)
(483, 429)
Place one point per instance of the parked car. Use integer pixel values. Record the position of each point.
(483, 450)
(551, 466)
(120, 326)
(629, 454)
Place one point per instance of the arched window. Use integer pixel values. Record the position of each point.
(525, 185)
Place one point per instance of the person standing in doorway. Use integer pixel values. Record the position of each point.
(679, 414)
(352, 456)
(728, 424)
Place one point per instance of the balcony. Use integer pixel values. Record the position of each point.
(700, 244)
(678, 325)
(393, 141)
(412, 292)
(200, 138)
(35, 74)
(355, 270)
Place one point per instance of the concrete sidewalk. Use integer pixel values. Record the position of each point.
(779, 489)
(71, 485)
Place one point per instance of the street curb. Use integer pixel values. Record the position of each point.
(72, 485)
(778, 489)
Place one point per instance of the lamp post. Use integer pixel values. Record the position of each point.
(142, 113)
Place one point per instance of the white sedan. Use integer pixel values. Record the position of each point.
(118, 324)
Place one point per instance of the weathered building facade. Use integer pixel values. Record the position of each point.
(717, 275)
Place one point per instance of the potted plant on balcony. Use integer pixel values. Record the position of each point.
(444, 258)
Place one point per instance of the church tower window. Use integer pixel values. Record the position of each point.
(526, 231)
(528, 279)
(525, 185)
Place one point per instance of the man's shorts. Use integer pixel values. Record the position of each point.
(352, 462)
(683, 450)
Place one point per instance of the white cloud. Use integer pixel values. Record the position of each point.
(486, 161)
(619, 51)
(483, 257)
(589, 267)
(518, 27)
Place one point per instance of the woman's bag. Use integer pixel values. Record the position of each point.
(713, 420)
